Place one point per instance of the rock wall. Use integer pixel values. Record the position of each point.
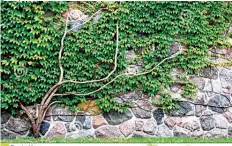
(209, 115)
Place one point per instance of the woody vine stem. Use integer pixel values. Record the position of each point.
(46, 101)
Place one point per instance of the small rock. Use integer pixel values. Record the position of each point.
(175, 48)
(143, 109)
(98, 121)
(137, 134)
(220, 122)
(185, 108)
(199, 109)
(74, 126)
(139, 125)
(163, 131)
(230, 131)
(127, 128)
(88, 123)
(172, 121)
(18, 125)
(108, 132)
(7, 135)
(208, 113)
(75, 14)
(217, 102)
(200, 82)
(181, 132)
(217, 88)
(228, 116)
(62, 111)
(130, 55)
(80, 134)
(207, 122)
(44, 127)
(175, 88)
(208, 85)
(158, 114)
(209, 72)
(58, 130)
(150, 127)
(190, 123)
(216, 133)
(115, 118)
(197, 133)
(226, 77)
(5, 116)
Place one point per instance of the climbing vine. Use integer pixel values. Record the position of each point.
(31, 34)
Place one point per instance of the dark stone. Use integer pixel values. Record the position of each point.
(174, 48)
(158, 115)
(86, 121)
(44, 127)
(7, 135)
(143, 109)
(230, 131)
(62, 114)
(80, 119)
(185, 108)
(217, 102)
(209, 72)
(207, 123)
(18, 125)
(5, 116)
(115, 118)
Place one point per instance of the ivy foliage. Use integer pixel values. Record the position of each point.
(31, 34)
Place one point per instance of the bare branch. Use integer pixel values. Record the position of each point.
(27, 112)
(126, 74)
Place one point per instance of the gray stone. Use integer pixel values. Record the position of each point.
(207, 122)
(88, 123)
(139, 125)
(226, 78)
(138, 134)
(108, 132)
(191, 124)
(133, 68)
(18, 125)
(208, 85)
(44, 127)
(158, 114)
(80, 134)
(115, 118)
(180, 132)
(127, 128)
(209, 72)
(216, 84)
(130, 55)
(77, 25)
(59, 111)
(197, 134)
(228, 116)
(143, 109)
(175, 87)
(199, 109)
(80, 119)
(7, 135)
(175, 48)
(217, 102)
(220, 122)
(200, 82)
(208, 113)
(185, 108)
(230, 131)
(150, 127)
(172, 121)
(74, 126)
(5, 116)
(57, 130)
(164, 131)
(216, 133)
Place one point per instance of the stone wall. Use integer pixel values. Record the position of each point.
(209, 115)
